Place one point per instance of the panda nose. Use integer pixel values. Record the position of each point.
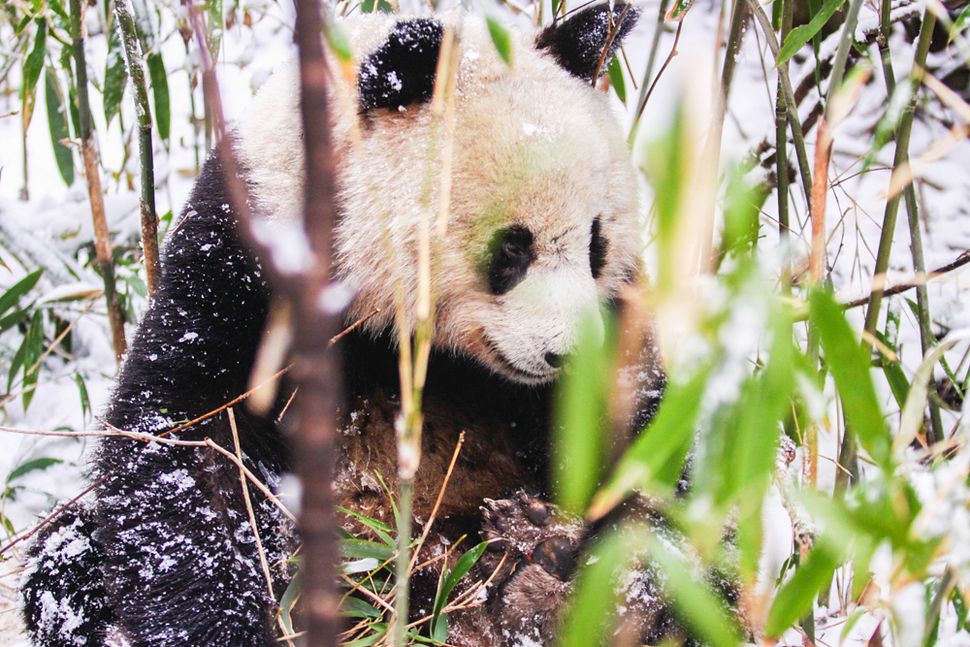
(554, 360)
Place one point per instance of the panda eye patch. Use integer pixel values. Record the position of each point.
(511, 255)
(597, 249)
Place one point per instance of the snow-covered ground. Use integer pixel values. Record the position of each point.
(47, 229)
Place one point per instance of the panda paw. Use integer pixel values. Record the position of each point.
(530, 531)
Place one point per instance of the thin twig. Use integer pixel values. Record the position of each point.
(53, 515)
(959, 262)
(249, 505)
(437, 502)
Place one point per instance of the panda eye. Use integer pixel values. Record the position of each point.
(511, 256)
(597, 249)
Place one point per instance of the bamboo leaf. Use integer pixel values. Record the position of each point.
(160, 96)
(33, 465)
(12, 296)
(33, 349)
(804, 33)
(694, 600)
(451, 578)
(501, 39)
(615, 70)
(82, 390)
(849, 364)
(115, 77)
(581, 414)
(797, 596)
(912, 418)
(57, 125)
(361, 549)
(655, 460)
(33, 64)
(592, 605)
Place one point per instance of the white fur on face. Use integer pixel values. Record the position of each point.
(534, 147)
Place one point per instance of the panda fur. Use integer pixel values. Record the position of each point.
(542, 229)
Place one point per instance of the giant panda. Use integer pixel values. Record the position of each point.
(543, 229)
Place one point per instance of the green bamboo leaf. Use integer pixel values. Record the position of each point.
(615, 70)
(12, 296)
(804, 33)
(361, 548)
(354, 607)
(33, 64)
(581, 405)
(337, 40)
(655, 460)
(115, 77)
(592, 605)
(912, 418)
(849, 363)
(451, 578)
(57, 125)
(33, 349)
(500, 38)
(379, 629)
(289, 599)
(697, 605)
(370, 6)
(381, 529)
(33, 465)
(82, 391)
(160, 96)
(797, 596)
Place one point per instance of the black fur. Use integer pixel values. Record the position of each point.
(585, 43)
(598, 246)
(402, 70)
(511, 254)
(62, 587)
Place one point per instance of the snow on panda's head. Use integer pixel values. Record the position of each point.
(541, 225)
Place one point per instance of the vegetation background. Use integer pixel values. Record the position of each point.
(860, 535)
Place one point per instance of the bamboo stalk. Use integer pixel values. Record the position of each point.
(798, 138)
(848, 461)
(136, 72)
(651, 61)
(102, 237)
(781, 152)
(935, 432)
(903, 133)
(316, 370)
(413, 363)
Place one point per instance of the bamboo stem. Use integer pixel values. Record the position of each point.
(136, 72)
(935, 433)
(102, 237)
(903, 133)
(781, 153)
(847, 453)
(794, 122)
(651, 61)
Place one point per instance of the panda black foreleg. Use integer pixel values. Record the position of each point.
(62, 586)
(181, 564)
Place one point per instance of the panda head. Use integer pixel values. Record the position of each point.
(542, 219)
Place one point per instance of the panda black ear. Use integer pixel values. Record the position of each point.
(578, 43)
(402, 70)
